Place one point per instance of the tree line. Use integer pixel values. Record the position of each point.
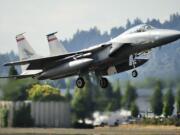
(92, 98)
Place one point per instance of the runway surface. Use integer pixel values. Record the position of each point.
(121, 130)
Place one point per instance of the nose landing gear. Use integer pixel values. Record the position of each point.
(132, 62)
(134, 73)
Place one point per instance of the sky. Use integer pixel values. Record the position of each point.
(39, 17)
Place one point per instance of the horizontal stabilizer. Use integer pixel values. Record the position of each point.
(17, 76)
(25, 74)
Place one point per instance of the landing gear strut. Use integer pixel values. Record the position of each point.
(103, 82)
(133, 63)
(80, 82)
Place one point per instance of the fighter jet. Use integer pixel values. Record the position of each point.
(114, 56)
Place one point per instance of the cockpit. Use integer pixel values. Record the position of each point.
(139, 28)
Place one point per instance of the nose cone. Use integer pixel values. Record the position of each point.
(174, 34)
(164, 36)
(170, 35)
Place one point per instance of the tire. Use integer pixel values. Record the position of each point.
(80, 82)
(134, 73)
(103, 82)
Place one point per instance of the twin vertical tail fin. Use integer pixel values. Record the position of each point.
(55, 46)
(25, 50)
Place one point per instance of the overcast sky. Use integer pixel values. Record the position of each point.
(40, 17)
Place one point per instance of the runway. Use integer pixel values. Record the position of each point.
(121, 130)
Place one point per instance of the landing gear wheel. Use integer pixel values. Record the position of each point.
(103, 82)
(134, 73)
(80, 82)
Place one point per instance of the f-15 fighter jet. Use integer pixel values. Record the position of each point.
(114, 56)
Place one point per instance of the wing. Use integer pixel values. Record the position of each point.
(41, 62)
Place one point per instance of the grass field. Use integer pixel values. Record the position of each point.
(121, 130)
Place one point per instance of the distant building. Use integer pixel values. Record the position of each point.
(44, 114)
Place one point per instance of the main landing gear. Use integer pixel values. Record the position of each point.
(80, 82)
(103, 82)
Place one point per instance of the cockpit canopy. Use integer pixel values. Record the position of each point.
(139, 28)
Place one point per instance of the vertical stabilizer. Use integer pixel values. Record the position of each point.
(25, 50)
(55, 47)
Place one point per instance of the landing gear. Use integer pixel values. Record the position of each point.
(132, 62)
(80, 82)
(134, 73)
(103, 82)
